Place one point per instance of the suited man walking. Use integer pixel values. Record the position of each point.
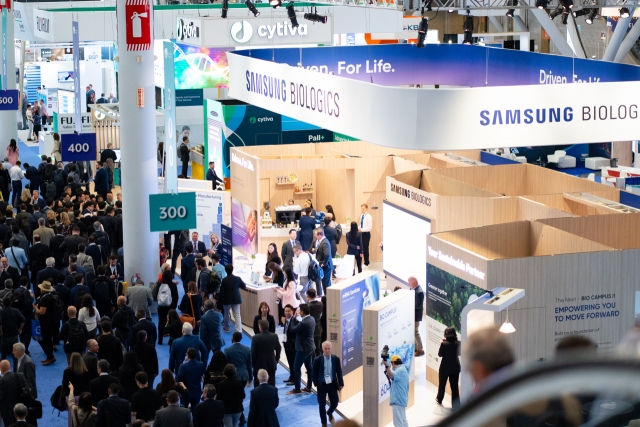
(265, 352)
(173, 415)
(211, 329)
(11, 385)
(190, 373)
(239, 355)
(24, 365)
(287, 248)
(289, 341)
(327, 372)
(113, 411)
(323, 256)
(263, 404)
(139, 298)
(99, 387)
(187, 263)
(209, 412)
(231, 298)
(303, 326)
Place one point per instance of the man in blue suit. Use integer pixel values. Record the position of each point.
(304, 327)
(231, 298)
(190, 373)
(327, 374)
(212, 175)
(101, 180)
(239, 355)
(187, 263)
(113, 411)
(181, 345)
(263, 404)
(211, 329)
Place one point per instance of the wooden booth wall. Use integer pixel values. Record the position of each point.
(107, 132)
(574, 206)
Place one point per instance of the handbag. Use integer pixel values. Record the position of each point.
(36, 330)
(185, 318)
(58, 400)
(35, 409)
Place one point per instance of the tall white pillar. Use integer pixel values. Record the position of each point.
(8, 119)
(138, 150)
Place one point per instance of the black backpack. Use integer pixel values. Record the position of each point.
(75, 338)
(101, 291)
(314, 273)
(17, 301)
(47, 174)
(58, 177)
(51, 190)
(57, 306)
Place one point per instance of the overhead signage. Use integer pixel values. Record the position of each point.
(171, 179)
(226, 247)
(247, 164)
(457, 263)
(43, 24)
(67, 123)
(188, 28)
(138, 24)
(172, 211)
(9, 100)
(188, 97)
(76, 148)
(486, 117)
(77, 93)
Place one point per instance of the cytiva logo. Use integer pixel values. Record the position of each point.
(241, 31)
(281, 29)
(253, 120)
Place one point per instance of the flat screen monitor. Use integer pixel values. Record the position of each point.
(404, 235)
(117, 154)
(65, 76)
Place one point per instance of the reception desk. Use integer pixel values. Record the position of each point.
(197, 164)
(251, 299)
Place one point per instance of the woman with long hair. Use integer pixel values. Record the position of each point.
(287, 294)
(82, 414)
(163, 311)
(165, 267)
(231, 393)
(76, 373)
(13, 152)
(354, 245)
(191, 303)
(173, 327)
(89, 315)
(65, 222)
(25, 199)
(168, 383)
(214, 241)
(264, 313)
(272, 256)
(449, 367)
(127, 374)
(329, 210)
(307, 204)
(214, 374)
(277, 275)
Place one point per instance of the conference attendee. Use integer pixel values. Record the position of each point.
(166, 294)
(99, 386)
(211, 329)
(17, 258)
(181, 345)
(101, 179)
(16, 175)
(11, 385)
(419, 297)
(73, 334)
(144, 324)
(231, 392)
(25, 366)
(331, 235)
(11, 324)
(264, 313)
(91, 358)
(203, 280)
(114, 270)
(323, 256)
(301, 269)
(96, 252)
(287, 294)
(187, 264)
(70, 243)
(110, 346)
(102, 99)
(289, 342)
(37, 254)
(31, 173)
(354, 245)
(316, 309)
(209, 412)
(303, 327)
(147, 356)
(366, 225)
(85, 261)
(183, 150)
(486, 352)
(123, 320)
(231, 298)
(239, 355)
(190, 374)
(263, 403)
(191, 302)
(173, 415)
(45, 233)
(108, 153)
(265, 352)
(50, 315)
(83, 413)
(146, 401)
(127, 374)
(287, 252)
(139, 297)
(213, 176)
(113, 411)
(327, 371)
(112, 99)
(449, 367)
(307, 224)
(75, 374)
(89, 315)
(398, 375)
(21, 413)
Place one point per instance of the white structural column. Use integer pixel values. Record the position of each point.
(496, 23)
(8, 119)
(627, 43)
(554, 33)
(138, 152)
(618, 35)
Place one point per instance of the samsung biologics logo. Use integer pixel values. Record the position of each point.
(187, 30)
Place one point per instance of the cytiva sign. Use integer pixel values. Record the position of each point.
(43, 24)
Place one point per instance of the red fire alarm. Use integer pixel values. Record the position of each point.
(140, 100)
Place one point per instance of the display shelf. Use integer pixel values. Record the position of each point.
(303, 192)
(285, 183)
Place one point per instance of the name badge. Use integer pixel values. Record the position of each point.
(327, 379)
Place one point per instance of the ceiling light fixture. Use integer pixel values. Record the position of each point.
(291, 13)
(422, 32)
(314, 17)
(624, 12)
(507, 327)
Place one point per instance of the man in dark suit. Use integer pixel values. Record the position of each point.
(110, 225)
(110, 346)
(211, 175)
(99, 387)
(287, 248)
(114, 270)
(31, 173)
(38, 254)
(173, 415)
(146, 325)
(183, 150)
(147, 356)
(303, 326)
(96, 252)
(419, 307)
(22, 416)
(289, 341)
(187, 263)
(12, 271)
(323, 256)
(197, 245)
(113, 411)
(70, 244)
(265, 352)
(190, 373)
(54, 245)
(327, 374)
(211, 329)
(239, 355)
(263, 404)
(209, 412)
(91, 359)
(24, 365)
(231, 298)
(101, 179)
(315, 308)
(11, 385)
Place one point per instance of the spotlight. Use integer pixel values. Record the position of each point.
(225, 8)
(291, 13)
(468, 28)
(422, 32)
(591, 17)
(252, 8)
(275, 3)
(565, 17)
(556, 12)
(314, 17)
(511, 12)
(542, 4)
(450, 11)
(624, 12)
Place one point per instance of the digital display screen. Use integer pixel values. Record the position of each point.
(65, 76)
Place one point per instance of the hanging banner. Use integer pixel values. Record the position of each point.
(4, 48)
(75, 148)
(138, 24)
(170, 178)
(77, 101)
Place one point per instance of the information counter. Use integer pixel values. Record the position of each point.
(197, 164)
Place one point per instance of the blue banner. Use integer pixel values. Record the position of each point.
(226, 245)
(4, 48)
(188, 97)
(77, 101)
(446, 64)
(170, 176)
(9, 99)
(76, 148)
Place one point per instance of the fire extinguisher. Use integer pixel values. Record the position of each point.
(137, 23)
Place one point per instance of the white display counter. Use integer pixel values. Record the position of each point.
(45, 144)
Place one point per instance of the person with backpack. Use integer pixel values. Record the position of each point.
(22, 300)
(59, 178)
(74, 334)
(166, 294)
(49, 312)
(11, 324)
(78, 292)
(123, 320)
(104, 292)
(203, 279)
